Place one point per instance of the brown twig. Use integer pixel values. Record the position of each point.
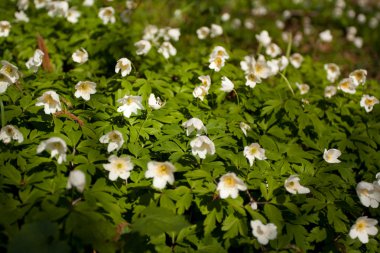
(46, 64)
(71, 116)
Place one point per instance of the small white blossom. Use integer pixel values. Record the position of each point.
(244, 127)
(150, 32)
(347, 85)
(119, 167)
(330, 91)
(161, 172)
(216, 30)
(225, 17)
(194, 124)
(369, 194)
(41, 3)
(123, 65)
(73, 15)
(262, 232)
(254, 151)
(172, 33)
(293, 185)
(56, 146)
(155, 102)
(368, 102)
(84, 89)
(21, 16)
(358, 76)
(264, 38)
(143, 47)
(332, 155)
(114, 139)
(10, 132)
(296, 60)
(36, 61)
(216, 63)
(326, 36)
(200, 92)
(203, 32)
(107, 15)
(88, 3)
(304, 88)
(206, 81)
(253, 205)
(333, 71)
(57, 8)
(201, 146)
(220, 52)
(129, 105)
(167, 50)
(362, 228)
(229, 186)
(273, 50)
(227, 85)
(80, 56)
(10, 71)
(4, 83)
(23, 5)
(77, 179)
(50, 101)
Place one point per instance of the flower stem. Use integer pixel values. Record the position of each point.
(287, 82)
(237, 97)
(2, 113)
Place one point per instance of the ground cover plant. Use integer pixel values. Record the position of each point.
(189, 126)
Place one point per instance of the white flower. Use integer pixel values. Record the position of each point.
(262, 232)
(254, 151)
(56, 146)
(50, 101)
(368, 102)
(155, 103)
(264, 38)
(114, 139)
(21, 16)
(143, 47)
(161, 172)
(77, 179)
(252, 80)
(172, 33)
(80, 56)
(330, 91)
(84, 89)
(255, 70)
(333, 71)
(225, 17)
(4, 83)
(206, 81)
(35, 62)
(227, 85)
(244, 127)
(347, 85)
(358, 76)
(253, 205)
(296, 60)
(150, 32)
(369, 194)
(73, 15)
(362, 228)
(107, 15)
(9, 132)
(200, 92)
(119, 167)
(88, 2)
(201, 146)
(230, 185)
(216, 30)
(194, 124)
(10, 71)
(274, 66)
(331, 155)
(326, 36)
(216, 63)
(304, 88)
(219, 51)
(358, 42)
(130, 104)
(41, 3)
(203, 32)
(123, 65)
(167, 50)
(273, 50)
(57, 8)
(23, 5)
(293, 185)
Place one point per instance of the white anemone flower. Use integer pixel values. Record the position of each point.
(80, 56)
(194, 124)
(201, 146)
(252, 80)
(216, 30)
(292, 185)
(129, 105)
(229, 186)
(217, 63)
(5, 28)
(10, 132)
(23, 5)
(35, 61)
(73, 15)
(359, 76)
(56, 146)
(263, 38)
(219, 51)
(10, 71)
(347, 85)
(41, 3)
(161, 172)
(119, 167)
(150, 32)
(155, 102)
(332, 155)
(167, 50)
(362, 228)
(206, 81)
(368, 102)
(262, 232)
(143, 47)
(200, 92)
(296, 60)
(244, 127)
(333, 71)
(326, 36)
(273, 50)
(84, 89)
(88, 3)
(4, 83)
(304, 88)
(203, 32)
(57, 8)
(107, 15)
(254, 151)
(369, 194)
(114, 139)
(123, 65)
(227, 84)
(50, 101)
(77, 179)
(172, 34)
(330, 91)
(21, 16)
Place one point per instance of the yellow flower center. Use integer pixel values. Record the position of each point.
(345, 85)
(114, 137)
(129, 101)
(119, 166)
(364, 192)
(229, 181)
(369, 102)
(10, 131)
(361, 225)
(218, 61)
(358, 76)
(163, 170)
(332, 68)
(253, 150)
(49, 99)
(8, 69)
(291, 184)
(108, 12)
(84, 87)
(220, 53)
(259, 68)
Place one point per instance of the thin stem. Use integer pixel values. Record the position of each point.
(287, 82)
(260, 46)
(237, 97)
(2, 113)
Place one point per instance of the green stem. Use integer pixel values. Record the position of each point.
(237, 97)
(259, 48)
(2, 113)
(287, 82)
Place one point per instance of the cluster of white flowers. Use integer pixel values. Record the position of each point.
(35, 61)
(218, 58)
(214, 31)
(202, 90)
